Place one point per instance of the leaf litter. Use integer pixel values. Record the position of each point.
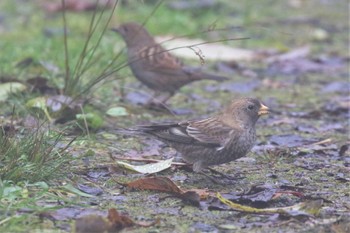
(147, 168)
(310, 208)
(295, 155)
(164, 184)
(113, 223)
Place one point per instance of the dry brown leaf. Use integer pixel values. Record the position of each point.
(92, 223)
(114, 222)
(117, 221)
(162, 184)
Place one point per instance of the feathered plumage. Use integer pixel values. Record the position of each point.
(219, 139)
(154, 66)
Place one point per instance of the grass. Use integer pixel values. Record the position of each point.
(30, 163)
(32, 156)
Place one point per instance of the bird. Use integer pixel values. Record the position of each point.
(216, 140)
(155, 67)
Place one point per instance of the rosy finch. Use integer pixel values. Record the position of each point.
(219, 139)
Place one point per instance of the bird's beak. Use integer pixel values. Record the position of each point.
(263, 110)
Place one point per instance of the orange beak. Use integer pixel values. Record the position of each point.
(263, 110)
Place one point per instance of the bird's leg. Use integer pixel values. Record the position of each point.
(198, 167)
(150, 101)
(153, 100)
(158, 101)
(163, 97)
(159, 98)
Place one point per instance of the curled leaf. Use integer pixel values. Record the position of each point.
(147, 168)
(309, 208)
(164, 184)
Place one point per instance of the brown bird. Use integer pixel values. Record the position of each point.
(219, 139)
(154, 66)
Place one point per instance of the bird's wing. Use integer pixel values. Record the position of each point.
(160, 59)
(168, 132)
(212, 131)
(208, 132)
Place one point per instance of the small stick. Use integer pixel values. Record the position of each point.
(328, 140)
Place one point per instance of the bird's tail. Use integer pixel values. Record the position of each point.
(196, 73)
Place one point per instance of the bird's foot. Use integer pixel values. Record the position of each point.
(158, 106)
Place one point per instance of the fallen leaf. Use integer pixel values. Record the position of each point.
(113, 223)
(117, 221)
(39, 103)
(70, 188)
(310, 208)
(60, 107)
(147, 168)
(260, 195)
(92, 223)
(10, 87)
(117, 111)
(162, 184)
(96, 191)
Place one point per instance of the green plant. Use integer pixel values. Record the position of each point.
(74, 84)
(32, 156)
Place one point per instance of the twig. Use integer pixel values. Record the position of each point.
(328, 140)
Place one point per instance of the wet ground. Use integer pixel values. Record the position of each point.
(301, 154)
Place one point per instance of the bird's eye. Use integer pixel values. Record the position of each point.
(250, 107)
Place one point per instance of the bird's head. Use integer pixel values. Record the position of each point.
(133, 34)
(245, 111)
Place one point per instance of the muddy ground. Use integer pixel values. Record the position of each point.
(301, 153)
